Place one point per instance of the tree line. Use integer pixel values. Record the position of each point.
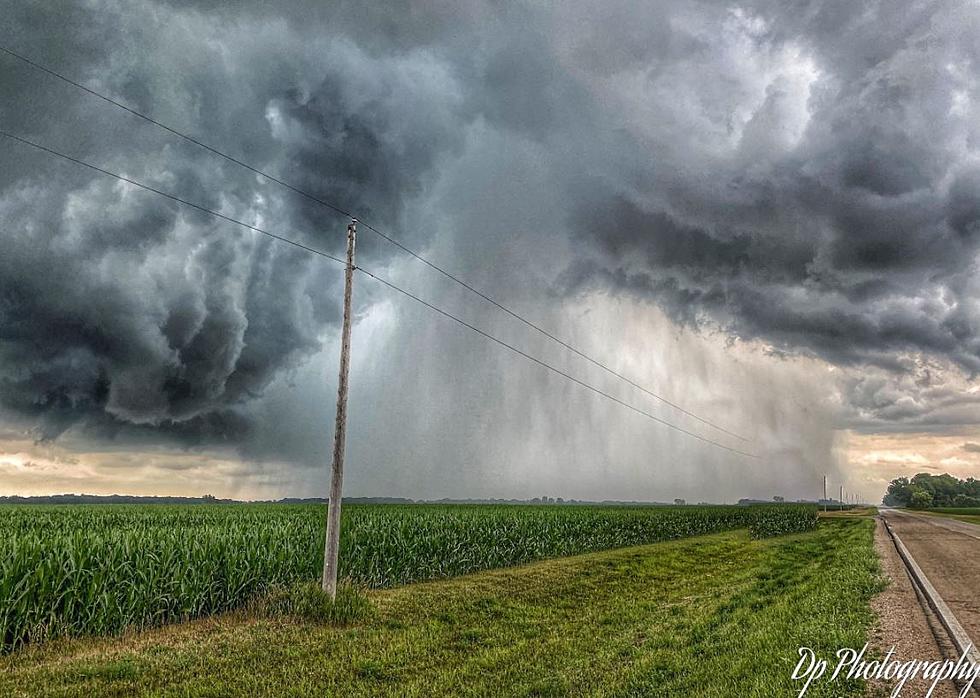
(925, 490)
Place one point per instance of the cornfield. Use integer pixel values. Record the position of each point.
(79, 570)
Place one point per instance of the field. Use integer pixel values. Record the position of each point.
(68, 571)
(713, 616)
(968, 514)
(964, 511)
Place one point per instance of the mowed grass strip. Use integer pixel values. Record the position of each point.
(718, 615)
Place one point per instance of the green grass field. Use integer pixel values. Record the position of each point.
(77, 570)
(968, 514)
(717, 615)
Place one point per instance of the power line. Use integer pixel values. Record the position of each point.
(553, 337)
(548, 366)
(380, 280)
(172, 197)
(376, 231)
(168, 129)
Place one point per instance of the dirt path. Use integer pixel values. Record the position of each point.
(904, 625)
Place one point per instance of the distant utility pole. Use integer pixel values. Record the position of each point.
(825, 493)
(841, 500)
(332, 546)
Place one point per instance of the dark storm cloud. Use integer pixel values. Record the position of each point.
(125, 311)
(856, 239)
(800, 173)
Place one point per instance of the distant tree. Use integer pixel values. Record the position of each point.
(921, 500)
(679, 502)
(943, 491)
(971, 488)
(777, 498)
(942, 488)
(962, 500)
(899, 494)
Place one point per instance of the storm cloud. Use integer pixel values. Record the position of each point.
(798, 179)
(831, 208)
(118, 304)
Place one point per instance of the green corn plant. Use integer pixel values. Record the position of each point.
(97, 570)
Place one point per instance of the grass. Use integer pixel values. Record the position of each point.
(711, 616)
(90, 570)
(968, 514)
(306, 601)
(853, 511)
(962, 511)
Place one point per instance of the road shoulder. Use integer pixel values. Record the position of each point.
(902, 623)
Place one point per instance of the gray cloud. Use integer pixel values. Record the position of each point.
(799, 175)
(158, 315)
(856, 239)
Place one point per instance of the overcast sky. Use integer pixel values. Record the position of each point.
(767, 212)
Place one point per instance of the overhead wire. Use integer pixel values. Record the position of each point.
(548, 366)
(172, 197)
(339, 210)
(379, 279)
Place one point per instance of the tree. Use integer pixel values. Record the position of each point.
(777, 498)
(943, 491)
(679, 502)
(921, 500)
(971, 488)
(942, 488)
(899, 494)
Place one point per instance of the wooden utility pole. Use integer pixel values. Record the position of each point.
(825, 493)
(841, 498)
(331, 548)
